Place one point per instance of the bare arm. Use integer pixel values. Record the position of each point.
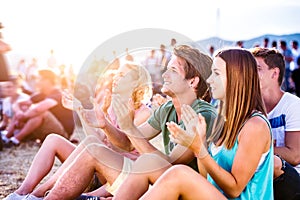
(96, 118)
(140, 136)
(40, 107)
(291, 151)
(255, 133)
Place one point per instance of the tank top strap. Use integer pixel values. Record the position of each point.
(257, 113)
(263, 117)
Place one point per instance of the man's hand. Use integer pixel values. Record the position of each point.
(194, 136)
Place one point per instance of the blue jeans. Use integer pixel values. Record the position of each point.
(287, 185)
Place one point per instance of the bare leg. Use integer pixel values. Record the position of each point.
(32, 124)
(54, 145)
(42, 189)
(182, 181)
(146, 170)
(75, 179)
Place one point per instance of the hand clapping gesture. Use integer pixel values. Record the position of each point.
(194, 135)
(94, 117)
(69, 101)
(124, 113)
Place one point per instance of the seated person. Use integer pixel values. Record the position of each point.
(184, 82)
(55, 145)
(232, 167)
(46, 113)
(283, 113)
(12, 95)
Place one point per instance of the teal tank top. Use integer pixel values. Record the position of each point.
(260, 185)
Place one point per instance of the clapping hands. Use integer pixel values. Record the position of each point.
(194, 135)
(69, 101)
(124, 112)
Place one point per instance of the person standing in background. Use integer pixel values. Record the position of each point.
(288, 58)
(296, 54)
(296, 77)
(3, 64)
(3, 71)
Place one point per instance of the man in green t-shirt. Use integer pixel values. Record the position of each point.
(185, 83)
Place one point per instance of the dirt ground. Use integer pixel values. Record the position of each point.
(15, 162)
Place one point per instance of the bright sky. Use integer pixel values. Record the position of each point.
(75, 28)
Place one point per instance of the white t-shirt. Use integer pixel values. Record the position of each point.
(285, 116)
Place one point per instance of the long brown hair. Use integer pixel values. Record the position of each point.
(243, 94)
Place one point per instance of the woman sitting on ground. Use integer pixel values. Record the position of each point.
(55, 146)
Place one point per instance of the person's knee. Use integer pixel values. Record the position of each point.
(52, 137)
(54, 142)
(150, 163)
(173, 174)
(179, 171)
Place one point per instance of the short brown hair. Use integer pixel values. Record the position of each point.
(48, 74)
(197, 65)
(273, 58)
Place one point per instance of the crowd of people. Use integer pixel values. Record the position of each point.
(215, 113)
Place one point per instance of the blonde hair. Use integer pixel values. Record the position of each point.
(143, 91)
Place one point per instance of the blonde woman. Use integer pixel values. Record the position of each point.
(184, 83)
(139, 90)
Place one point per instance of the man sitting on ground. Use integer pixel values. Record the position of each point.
(45, 115)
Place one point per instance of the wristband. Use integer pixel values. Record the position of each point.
(202, 153)
(282, 162)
